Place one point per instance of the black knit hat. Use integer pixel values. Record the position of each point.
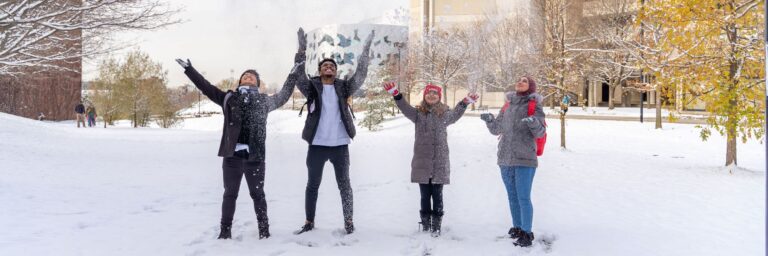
(252, 72)
(327, 60)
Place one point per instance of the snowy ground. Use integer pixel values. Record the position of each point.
(622, 188)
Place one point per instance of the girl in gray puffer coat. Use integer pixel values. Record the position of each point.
(430, 167)
(517, 153)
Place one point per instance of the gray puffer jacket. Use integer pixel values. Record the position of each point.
(430, 148)
(517, 145)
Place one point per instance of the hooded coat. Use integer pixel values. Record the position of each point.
(430, 147)
(517, 144)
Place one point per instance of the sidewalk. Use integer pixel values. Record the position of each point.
(617, 114)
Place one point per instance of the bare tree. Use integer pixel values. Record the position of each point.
(612, 23)
(561, 53)
(504, 48)
(38, 35)
(442, 57)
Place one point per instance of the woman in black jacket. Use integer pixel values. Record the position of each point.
(242, 141)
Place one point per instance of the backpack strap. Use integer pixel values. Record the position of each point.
(309, 101)
(504, 108)
(531, 107)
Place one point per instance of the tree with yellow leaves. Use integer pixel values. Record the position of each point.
(719, 55)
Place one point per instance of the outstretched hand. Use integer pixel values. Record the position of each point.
(527, 120)
(391, 88)
(302, 39)
(487, 117)
(184, 64)
(367, 46)
(471, 98)
(301, 54)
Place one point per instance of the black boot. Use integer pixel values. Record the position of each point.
(526, 240)
(307, 227)
(437, 219)
(426, 220)
(226, 231)
(349, 226)
(264, 231)
(515, 232)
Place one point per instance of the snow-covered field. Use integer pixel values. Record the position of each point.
(622, 188)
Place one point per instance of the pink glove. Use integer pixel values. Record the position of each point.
(471, 98)
(391, 88)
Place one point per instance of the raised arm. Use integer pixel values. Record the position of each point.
(215, 94)
(408, 110)
(302, 82)
(361, 72)
(280, 98)
(456, 113)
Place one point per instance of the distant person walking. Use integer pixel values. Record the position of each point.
(80, 113)
(90, 113)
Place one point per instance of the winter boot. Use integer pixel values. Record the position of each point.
(307, 227)
(515, 232)
(426, 220)
(264, 231)
(349, 226)
(526, 240)
(437, 219)
(226, 231)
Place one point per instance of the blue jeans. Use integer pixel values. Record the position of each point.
(518, 181)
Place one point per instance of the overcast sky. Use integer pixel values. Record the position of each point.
(223, 35)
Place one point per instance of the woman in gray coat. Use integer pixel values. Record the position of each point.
(430, 167)
(517, 156)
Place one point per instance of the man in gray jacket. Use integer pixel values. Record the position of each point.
(329, 128)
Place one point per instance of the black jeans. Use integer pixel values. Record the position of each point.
(435, 193)
(234, 169)
(316, 158)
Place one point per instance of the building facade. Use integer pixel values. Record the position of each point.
(344, 43)
(591, 91)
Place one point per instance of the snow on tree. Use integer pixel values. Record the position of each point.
(442, 57)
(721, 60)
(377, 102)
(611, 23)
(40, 35)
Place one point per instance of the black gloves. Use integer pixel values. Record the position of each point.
(184, 64)
(301, 54)
(487, 117)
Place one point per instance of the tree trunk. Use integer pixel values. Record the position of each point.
(562, 129)
(625, 99)
(658, 109)
(552, 101)
(730, 152)
(445, 93)
(482, 94)
(611, 90)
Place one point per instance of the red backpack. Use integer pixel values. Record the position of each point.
(540, 142)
